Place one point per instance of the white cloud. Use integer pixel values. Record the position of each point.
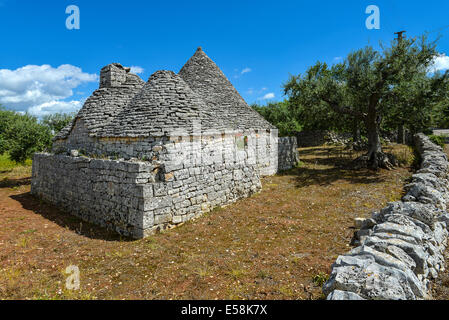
(268, 96)
(136, 69)
(55, 106)
(440, 63)
(253, 91)
(242, 72)
(246, 70)
(41, 88)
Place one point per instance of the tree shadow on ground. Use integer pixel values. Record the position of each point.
(340, 151)
(324, 171)
(66, 220)
(11, 183)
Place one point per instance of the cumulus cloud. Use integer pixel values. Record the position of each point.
(251, 91)
(440, 63)
(42, 88)
(136, 69)
(55, 106)
(268, 96)
(241, 72)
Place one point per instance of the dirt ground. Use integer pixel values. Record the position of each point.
(278, 244)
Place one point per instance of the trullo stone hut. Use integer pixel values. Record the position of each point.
(140, 157)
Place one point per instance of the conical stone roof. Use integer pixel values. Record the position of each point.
(105, 103)
(165, 105)
(200, 97)
(205, 78)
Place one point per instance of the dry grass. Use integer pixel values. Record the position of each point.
(12, 174)
(278, 244)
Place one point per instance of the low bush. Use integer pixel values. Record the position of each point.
(21, 135)
(438, 140)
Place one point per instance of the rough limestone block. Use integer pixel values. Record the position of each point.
(407, 243)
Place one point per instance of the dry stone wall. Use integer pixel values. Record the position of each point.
(255, 147)
(288, 155)
(400, 247)
(134, 198)
(320, 137)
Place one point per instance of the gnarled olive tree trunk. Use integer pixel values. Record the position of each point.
(375, 156)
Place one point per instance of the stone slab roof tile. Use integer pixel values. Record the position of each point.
(105, 103)
(165, 105)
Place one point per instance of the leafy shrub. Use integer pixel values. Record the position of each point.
(27, 137)
(57, 121)
(280, 115)
(21, 135)
(438, 140)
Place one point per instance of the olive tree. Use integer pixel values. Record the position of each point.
(364, 85)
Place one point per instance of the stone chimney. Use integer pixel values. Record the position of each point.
(113, 75)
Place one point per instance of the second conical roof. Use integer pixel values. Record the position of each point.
(205, 78)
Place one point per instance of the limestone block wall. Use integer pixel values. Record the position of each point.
(401, 247)
(138, 198)
(254, 147)
(105, 192)
(288, 155)
(77, 140)
(310, 138)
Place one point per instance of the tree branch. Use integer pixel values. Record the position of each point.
(344, 110)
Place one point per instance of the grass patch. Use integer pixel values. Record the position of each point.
(438, 140)
(6, 164)
(14, 174)
(237, 273)
(320, 278)
(405, 155)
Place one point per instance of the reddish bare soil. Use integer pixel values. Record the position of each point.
(278, 244)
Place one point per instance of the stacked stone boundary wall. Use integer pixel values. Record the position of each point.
(288, 155)
(319, 137)
(401, 247)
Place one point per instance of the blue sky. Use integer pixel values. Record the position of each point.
(44, 67)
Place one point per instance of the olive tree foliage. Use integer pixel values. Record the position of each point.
(57, 121)
(440, 114)
(370, 86)
(21, 135)
(26, 137)
(418, 103)
(280, 115)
